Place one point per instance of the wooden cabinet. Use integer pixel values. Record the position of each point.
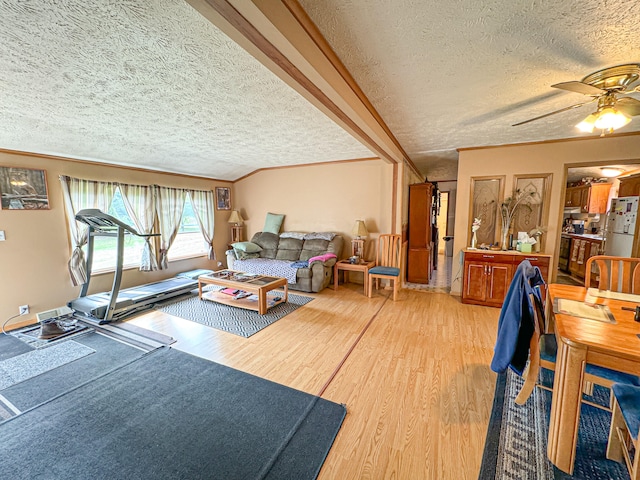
(420, 233)
(589, 198)
(581, 250)
(573, 197)
(629, 186)
(488, 275)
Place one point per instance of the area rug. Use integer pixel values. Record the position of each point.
(172, 415)
(107, 354)
(238, 321)
(516, 443)
(36, 362)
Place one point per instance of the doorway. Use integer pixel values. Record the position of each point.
(442, 221)
(584, 224)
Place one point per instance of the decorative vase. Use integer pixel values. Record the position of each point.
(504, 244)
(474, 241)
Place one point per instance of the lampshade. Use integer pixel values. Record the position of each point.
(359, 229)
(235, 217)
(607, 118)
(611, 119)
(588, 124)
(611, 171)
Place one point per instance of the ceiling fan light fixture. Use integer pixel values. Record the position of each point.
(611, 171)
(610, 119)
(588, 124)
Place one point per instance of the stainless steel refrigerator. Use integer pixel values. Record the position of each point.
(621, 226)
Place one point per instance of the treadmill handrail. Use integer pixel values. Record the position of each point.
(104, 223)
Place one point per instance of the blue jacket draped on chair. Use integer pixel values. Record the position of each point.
(515, 326)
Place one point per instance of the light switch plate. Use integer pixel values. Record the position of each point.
(2, 237)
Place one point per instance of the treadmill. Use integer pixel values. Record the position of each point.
(114, 305)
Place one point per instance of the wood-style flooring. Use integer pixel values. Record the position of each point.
(417, 383)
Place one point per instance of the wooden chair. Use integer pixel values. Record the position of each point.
(542, 353)
(618, 274)
(625, 423)
(388, 262)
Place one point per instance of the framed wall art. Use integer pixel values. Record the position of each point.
(23, 189)
(537, 188)
(223, 198)
(486, 195)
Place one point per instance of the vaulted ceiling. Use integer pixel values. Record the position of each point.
(221, 88)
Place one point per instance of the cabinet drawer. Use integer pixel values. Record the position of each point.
(487, 256)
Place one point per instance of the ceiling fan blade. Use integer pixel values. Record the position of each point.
(579, 87)
(553, 113)
(628, 105)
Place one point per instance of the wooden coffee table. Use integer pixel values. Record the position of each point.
(256, 285)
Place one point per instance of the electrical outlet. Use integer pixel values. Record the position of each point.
(2, 236)
(24, 309)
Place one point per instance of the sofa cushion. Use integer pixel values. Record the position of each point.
(321, 235)
(289, 249)
(313, 248)
(273, 222)
(298, 235)
(268, 242)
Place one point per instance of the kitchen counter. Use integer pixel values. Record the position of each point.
(590, 236)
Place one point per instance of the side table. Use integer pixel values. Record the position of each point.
(345, 266)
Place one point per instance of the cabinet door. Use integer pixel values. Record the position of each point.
(583, 255)
(585, 194)
(598, 198)
(576, 196)
(418, 267)
(629, 186)
(573, 260)
(498, 282)
(567, 198)
(420, 215)
(475, 282)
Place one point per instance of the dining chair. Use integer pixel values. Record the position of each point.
(388, 262)
(543, 350)
(625, 423)
(618, 274)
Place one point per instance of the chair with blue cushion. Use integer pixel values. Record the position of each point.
(542, 354)
(388, 262)
(625, 423)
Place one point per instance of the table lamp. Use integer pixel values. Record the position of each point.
(236, 228)
(357, 244)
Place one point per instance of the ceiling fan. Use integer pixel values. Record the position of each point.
(606, 87)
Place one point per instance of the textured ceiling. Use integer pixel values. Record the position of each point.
(445, 75)
(153, 84)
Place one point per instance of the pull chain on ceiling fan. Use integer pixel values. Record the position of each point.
(605, 86)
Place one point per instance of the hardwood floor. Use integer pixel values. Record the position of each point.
(417, 384)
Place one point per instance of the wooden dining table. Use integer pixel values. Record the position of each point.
(614, 345)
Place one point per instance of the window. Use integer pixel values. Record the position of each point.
(104, 248)
(189, 241)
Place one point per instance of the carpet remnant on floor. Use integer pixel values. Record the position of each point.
(30, 364)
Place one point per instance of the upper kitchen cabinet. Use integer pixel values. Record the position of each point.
(629, 186)
(588, 198)
(573, 197)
